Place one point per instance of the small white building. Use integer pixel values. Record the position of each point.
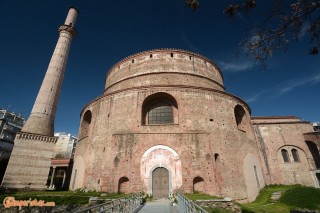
(65, 146)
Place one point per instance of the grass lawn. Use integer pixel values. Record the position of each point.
(293, 197)
(199, 196)
(59, 197)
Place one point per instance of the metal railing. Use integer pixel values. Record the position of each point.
(121, 205)
(186, 205)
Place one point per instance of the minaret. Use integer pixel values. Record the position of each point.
(41, 120)
(30, 160)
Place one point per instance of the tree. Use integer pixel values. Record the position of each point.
(286, 23)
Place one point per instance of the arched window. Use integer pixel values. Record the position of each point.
(285, 155)
(240, 116)
(159, 108)
(86, 121)
(216, 157)
(160, 113)
(295, 155)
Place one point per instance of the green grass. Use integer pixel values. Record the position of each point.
(303, 197)
(293, 197)
(264, 196)
(59, 197)
(199, 196)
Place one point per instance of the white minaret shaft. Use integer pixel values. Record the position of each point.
(41, 120)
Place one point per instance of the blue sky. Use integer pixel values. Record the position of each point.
(109, 31)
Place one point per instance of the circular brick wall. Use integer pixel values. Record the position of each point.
(210, 132)
(164, 67)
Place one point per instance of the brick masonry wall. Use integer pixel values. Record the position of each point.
(30, 161)
(204, 149)
(288, 135)
(205, 125)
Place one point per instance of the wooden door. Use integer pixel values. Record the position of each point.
(160, 183)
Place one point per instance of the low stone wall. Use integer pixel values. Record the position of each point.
(220, 204)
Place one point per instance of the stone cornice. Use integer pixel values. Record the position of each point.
(279, 122)
(274, 117)
(162, 133)
(191, 74)
(169, 87)
(69, 29)
(36, 137)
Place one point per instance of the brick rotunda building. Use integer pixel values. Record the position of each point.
(165, 123)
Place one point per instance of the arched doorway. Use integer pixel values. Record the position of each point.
(160, 182)
(198, 184)
(123, 185)
(160, 156)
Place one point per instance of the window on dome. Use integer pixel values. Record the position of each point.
(241, 118)
(160, 113)
(85, 123)
(159, 108)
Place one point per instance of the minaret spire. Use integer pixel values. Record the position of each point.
(30, 160)
(41, 120)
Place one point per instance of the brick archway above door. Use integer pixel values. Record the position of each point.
(161, 156)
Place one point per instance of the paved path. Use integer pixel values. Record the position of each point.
(159, 206)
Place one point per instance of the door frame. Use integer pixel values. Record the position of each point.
(150, 177)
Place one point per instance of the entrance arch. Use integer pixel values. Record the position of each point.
(161, 156)
(160, 182)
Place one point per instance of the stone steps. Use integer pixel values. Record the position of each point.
(275, 196)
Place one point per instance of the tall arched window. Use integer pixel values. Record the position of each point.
(295, 155)
(159, 108)
(285, 155)
(85, 123)
(241, 119)
(160, 113)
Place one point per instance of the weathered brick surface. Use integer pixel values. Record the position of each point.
(203, 143)
(286, 133)
(30, 162)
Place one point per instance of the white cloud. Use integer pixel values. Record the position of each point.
(285, 87)
(292, 84)
(236, 66)
(254, 97)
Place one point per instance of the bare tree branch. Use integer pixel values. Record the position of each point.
(284, 24)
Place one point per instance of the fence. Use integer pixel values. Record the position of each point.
(185, 205)
(122, 205)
